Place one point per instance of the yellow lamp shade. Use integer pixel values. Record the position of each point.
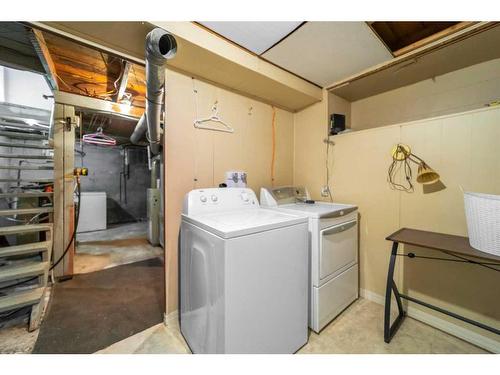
(426, 175)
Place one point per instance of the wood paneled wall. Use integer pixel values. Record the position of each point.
(198, 158)
(463, 148)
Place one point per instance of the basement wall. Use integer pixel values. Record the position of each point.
(105, 165)
(197, 158)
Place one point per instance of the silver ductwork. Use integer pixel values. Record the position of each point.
(160, 46)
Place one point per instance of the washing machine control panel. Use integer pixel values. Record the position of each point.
(219, 199)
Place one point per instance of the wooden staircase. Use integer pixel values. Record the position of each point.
(26, 250)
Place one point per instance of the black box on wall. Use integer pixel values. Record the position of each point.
(337, 123)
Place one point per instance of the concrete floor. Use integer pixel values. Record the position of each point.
(358, 330)
(99, 255)
(115, 232)
(121, 244)
(117, 245)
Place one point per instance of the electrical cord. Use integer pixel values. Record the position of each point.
(393, 169)
(273, 141)
(459, 260)
(328, 167)
(77, 217)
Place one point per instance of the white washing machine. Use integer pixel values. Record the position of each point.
(243, 274)
(333, 245)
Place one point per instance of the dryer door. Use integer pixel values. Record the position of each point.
(338, 249)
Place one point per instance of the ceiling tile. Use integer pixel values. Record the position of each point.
(326, 52)
(254, 36)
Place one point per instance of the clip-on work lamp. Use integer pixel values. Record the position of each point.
(401, 153)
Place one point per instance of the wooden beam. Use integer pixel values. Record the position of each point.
(97, 105)
(38, 41)
(123, 81)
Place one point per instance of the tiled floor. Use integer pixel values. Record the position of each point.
(357, 330)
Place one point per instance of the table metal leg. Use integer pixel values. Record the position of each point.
(390, 330)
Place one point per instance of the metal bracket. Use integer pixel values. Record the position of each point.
(68, 121)
(68, 124)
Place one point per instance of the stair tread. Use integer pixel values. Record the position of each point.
(21, 299)
(15, 229)
(21, 156)
(27, 248)
(25, 145)
(27, 180)
(28, 168)
(13, 272)
(26, 195)
(17, 135)
(26, 211)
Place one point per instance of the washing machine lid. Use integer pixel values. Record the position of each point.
(238, 223)
(318, 210)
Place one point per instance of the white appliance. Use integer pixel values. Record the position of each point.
(243, 274)
(333, 245)
(92, 212)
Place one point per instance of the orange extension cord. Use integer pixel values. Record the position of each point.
(274, 146)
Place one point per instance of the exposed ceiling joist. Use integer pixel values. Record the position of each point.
(199, 55)
(90, 72)
(123, 81)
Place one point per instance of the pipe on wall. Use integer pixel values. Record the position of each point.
(160, 46)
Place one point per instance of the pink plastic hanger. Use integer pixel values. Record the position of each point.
(99, 138)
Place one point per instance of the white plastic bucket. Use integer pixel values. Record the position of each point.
(482, 212)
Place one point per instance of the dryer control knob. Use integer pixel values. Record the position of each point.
(203, 198)
(214, 198)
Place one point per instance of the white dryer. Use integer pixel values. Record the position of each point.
(333, 245)
(243, 274)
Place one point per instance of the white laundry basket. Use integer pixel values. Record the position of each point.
(482, 212)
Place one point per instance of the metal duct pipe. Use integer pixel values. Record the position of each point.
(160, 46)
(139, 130)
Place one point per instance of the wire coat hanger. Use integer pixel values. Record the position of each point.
(198, 123)
(99, 138)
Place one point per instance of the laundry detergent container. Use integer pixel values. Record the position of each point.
(483, 221)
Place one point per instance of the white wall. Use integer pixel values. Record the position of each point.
(24, 88)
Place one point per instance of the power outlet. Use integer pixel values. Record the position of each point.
(325, 191)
